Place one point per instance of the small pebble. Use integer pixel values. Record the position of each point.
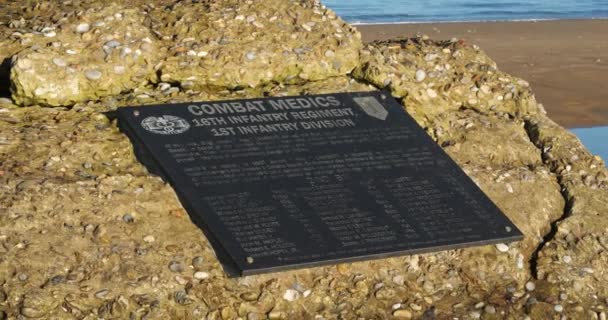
(112, 44)
(558, 308)
(164, 86)
(307, 27)
(250, 55)
(181, 297)
(93, 74)
(176, 266)
(402, 314)
(502, 247)
(200, 275)
(398, 280)
(291, 295)
(530, 286)
(490, 309)
(420, 75)
(520, 261)
(59, 62)
(329, 53)
(485, 89)
(149, 239)
(567, 259)
(171, 90)
(57, 280)
(119, 69)
(128, 218)
(23, 277)
(431, 93)
(101, 293)
(83, 27)
(49, 33)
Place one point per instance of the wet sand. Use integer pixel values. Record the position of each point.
(565, 61)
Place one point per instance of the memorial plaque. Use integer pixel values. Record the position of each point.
(280, 183)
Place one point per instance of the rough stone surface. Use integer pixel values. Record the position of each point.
(174, 94)
(458, 76)
(86, 232)
(117, 54)
(239, 44)
(574, 260)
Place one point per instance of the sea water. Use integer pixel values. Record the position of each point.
(395, 11)
(595, 139)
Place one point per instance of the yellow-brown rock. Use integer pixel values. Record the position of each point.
(87, 232)
(106, 52)
(244, 44)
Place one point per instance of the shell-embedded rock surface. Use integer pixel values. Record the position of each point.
(86, 232)
(106, 51)
(458, 76)
(241, 44)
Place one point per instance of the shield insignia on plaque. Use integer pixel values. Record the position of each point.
(372, 107)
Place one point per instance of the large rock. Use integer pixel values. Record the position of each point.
(574, 261)
(91, 186)
(432, 77)
(238, 44)
(105, 52)
(87, 232)
(227, 44)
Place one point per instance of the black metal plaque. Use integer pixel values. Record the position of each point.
(280, 183)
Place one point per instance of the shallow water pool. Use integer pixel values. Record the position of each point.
(595, 139)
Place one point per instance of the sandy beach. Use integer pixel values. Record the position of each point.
(565, 61)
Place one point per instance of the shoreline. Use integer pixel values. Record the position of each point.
(565, 61)
(473, 21)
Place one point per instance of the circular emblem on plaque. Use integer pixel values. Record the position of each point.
(167, 125)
